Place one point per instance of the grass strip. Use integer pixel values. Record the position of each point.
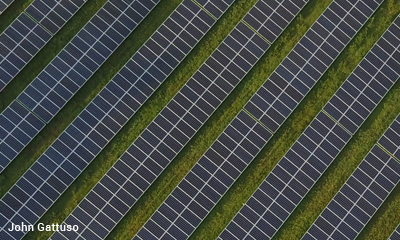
(291, 130)
(62, 208)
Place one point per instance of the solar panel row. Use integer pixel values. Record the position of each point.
(223, 163)
(30, 32)
(117, 102)
(171, 130)
(295, 174)
(4, 5)
(362, 194)
(71, 68)
(396, 234)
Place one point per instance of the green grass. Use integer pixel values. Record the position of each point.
(387, 218)
(150, 109)
(290, 131)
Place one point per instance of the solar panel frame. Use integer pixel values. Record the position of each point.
(4, 4)
(359, 198)
(309, 139)
(396, 234)
(30, 32)
(64, 76)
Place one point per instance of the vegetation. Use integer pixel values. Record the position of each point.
(386, 219)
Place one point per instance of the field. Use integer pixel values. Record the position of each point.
(382, 223)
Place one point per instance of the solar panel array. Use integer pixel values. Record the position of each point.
(125, 182)
(317, 147)
(30, 32)
(362, 194)
(4, 5)
(98, 123)
(228, 157)
(72, 67)
(396, 234)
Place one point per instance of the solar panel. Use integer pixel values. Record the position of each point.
(218, 170)
(171, 130)
(29, 125)
(391, 139)
(88, 134)
(295, 174)
(396, 234)
(358, 199)
(30, 32)
(4, 5)
(77, 62)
